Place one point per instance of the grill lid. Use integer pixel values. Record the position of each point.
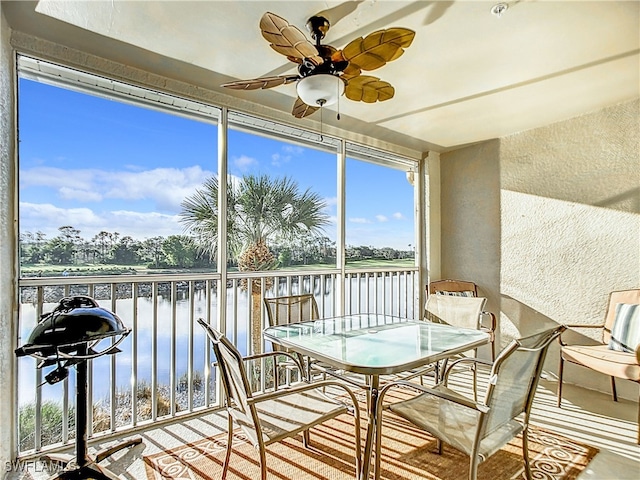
(76, 321)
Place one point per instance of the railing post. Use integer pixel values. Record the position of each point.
(154, 351)
(339, 285)
(134, 355)
(223, 126)
(173, 381)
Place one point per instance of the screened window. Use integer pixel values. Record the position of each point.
(380, 215)
(292, 182)
(103, 171)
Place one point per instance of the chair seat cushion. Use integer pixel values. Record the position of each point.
(604, 360)
(625, 334)
(453, 423)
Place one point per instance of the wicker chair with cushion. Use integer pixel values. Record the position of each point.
(618, 352)
(279, 413)
(478, 429)
(463, 288)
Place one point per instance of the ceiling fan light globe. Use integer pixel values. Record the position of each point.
(320, 90)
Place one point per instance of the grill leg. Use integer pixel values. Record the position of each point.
(85, 466)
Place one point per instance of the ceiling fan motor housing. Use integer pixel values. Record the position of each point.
(307, 68)
(318, 27)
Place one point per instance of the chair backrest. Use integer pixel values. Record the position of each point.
(457, 311)
(234, 379)
(622, 296)
(514, 378)
(290, 309)
(459, 288)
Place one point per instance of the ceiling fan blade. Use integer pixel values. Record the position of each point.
(351, 71)
(287, 39)
(264, 82)
(301, 109)
(377, 48)
(368, 89)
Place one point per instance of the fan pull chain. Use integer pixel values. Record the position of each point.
(321, 137)
(338, 107)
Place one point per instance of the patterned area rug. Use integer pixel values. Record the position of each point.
(407, 454)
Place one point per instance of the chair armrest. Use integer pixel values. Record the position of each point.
(492, 319)
(638, 354)
(259, 356)
(472, 360)
(460, 400)
(290, 356)
(577, 325)
(301, 387)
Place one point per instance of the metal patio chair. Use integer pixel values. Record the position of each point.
(463, 288)
(271, 416)
(292, 309)
(458, 311)
(478, 429)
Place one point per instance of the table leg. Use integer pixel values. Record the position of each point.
(374, 385)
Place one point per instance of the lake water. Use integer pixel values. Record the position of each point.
(370, 298)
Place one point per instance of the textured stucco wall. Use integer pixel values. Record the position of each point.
(565, 223)
(470, 219)
(7, 248)
(570, 211)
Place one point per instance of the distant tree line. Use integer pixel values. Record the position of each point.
(69, 248)
(174, 251)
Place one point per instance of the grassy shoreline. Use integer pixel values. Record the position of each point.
(109, 269)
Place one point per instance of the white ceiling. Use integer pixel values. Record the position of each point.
(468, 76)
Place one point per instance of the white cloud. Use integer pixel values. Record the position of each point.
(81, 194)
(290, 151)
(331, 201)
(329, 206)
(48, 218)
(359, 220)
(244, 162)
(278, 160)
(399, 216)
(142, 225)
(57, 177)
(293, 149)
(382, 218)
(166, 187)
(161, 189)
(389, 238)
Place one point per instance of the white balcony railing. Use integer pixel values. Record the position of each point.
(163, 370)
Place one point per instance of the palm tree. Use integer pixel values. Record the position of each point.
(260, 209)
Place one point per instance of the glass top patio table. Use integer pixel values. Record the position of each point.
(375, 344)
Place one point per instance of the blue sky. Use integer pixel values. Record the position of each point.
(99, 164)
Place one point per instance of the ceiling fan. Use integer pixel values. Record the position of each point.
(325, 73)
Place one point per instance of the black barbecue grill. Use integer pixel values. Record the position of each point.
(69, 336)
